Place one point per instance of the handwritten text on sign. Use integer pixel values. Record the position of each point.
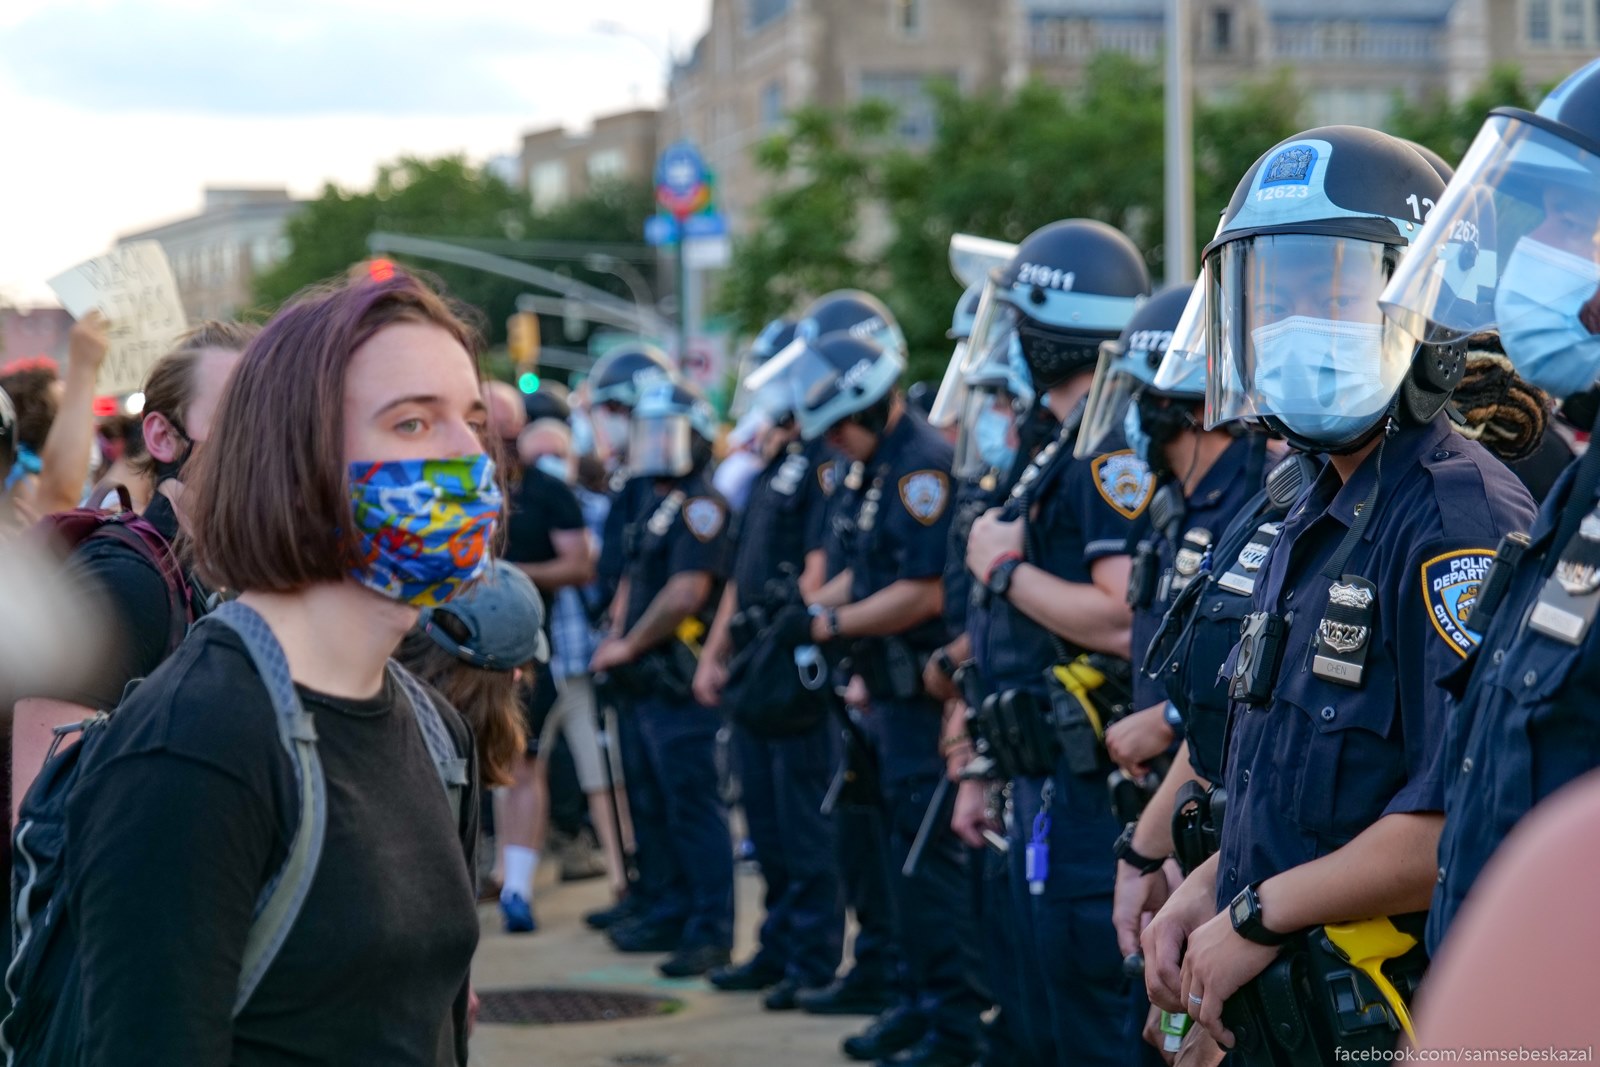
(133, 287)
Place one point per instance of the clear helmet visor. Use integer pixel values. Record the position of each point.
(1107, 403)
(612, 428)
(765, 380)
(948, 401)
(1520, 220)
(973, 258)
(1183, 369)
(1295, 333)
(994, 319)
(659, 446)
(987, 439)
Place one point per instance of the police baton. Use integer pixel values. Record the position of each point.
(925, 831)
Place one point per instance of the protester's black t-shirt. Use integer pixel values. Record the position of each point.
(540, 506)
(138, 604)
(187, 814)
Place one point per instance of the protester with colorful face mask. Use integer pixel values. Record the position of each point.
(343, 488)
(1524, 207)
(1364, 603)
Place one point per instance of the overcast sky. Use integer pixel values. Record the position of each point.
(115, 113)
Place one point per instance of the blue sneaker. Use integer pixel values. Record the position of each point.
(517, 913)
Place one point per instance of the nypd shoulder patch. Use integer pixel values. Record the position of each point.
(925, 494)
(1450, 585)
(1124, 482)
(704, 517)
(828, 478)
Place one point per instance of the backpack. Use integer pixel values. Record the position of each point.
(43, 973)
(67, 531)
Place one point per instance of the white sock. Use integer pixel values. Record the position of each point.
(521, 863)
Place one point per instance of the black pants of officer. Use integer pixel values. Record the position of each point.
(680, 752)
(783, 784)
(859, 841)
(990, 879)
(934, 924)
(660, 887)
(1067, 946)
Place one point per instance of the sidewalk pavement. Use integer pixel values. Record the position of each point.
(711, 1029)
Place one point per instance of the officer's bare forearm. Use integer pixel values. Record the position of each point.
(618, 612)
(834, 593)
(894, 609)
(718, 641)
(960, 649)
(682, 596)
(1389, 869)
(1085, 614)
(1154, 835)
(815, 574)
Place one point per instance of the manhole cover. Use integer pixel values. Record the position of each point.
(546, 1007)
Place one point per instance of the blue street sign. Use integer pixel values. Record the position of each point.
(683, 184)
(710, 225)
(660, 230)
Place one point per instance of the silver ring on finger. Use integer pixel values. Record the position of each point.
(1196, 1001)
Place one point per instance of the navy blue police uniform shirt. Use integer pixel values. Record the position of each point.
(1084, 511)
(695, 540)
(786, 517)
(1321, 761)
(894, 527)
(973, 498)
(626, 503)
(1190, 666)
(1225, 489)
(1526, 725)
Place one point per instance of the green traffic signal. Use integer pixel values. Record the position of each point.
(528, 382)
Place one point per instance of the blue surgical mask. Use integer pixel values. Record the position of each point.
(1322, 378)
(554, 466)
(1133, 433)
(991, 431)
(1537, 305)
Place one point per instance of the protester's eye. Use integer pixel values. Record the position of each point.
(410, 426)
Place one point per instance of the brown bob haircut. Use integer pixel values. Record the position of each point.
(170, 385)
(269, 490)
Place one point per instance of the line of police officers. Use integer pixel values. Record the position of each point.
(1242, 652)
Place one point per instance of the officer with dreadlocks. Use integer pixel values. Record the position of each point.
(1049, 632)
(885, 608)
(1513, 244)
(1333, 775)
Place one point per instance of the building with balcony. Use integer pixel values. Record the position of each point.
(217, 253)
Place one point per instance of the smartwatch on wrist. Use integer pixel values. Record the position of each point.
(999, 580)
(1123, 850)
(1245, 911)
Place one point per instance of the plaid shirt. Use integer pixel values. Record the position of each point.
(572, 638)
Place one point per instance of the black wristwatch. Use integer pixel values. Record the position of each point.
(999, 582)
(1123, 850)
(946, 665)
(1245, 911)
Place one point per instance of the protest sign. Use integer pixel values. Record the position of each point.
(133, 287)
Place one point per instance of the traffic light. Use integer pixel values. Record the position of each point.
(528, 382)
(522, 340)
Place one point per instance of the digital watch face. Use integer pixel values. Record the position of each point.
(1241, 909)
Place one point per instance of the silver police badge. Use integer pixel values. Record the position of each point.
(925, 493)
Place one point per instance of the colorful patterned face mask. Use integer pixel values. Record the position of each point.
(424, 525)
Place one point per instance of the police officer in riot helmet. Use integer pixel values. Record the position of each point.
(1512, 244)
(674, 551)
(883, 609)
(785, 767)
(1362, 606)
(1049, 627)
(615, 384)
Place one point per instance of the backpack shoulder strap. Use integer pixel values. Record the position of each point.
(139, 534)
(449, 762)
(280, 901)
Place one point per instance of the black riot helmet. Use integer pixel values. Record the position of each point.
(838, 377)
(857, 313)
(620, 375)
(1127, 370)
(1070, 286)
(1295, 336)
(774, 337)
(8, 434)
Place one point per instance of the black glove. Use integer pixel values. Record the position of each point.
(791, 627)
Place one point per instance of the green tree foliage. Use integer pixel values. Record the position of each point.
(1001, 165)
(446, 197)
(1448, 128)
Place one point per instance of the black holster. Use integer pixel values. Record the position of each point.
(1197, 823)
(666, 671)
(1310, 1006)
(1012, 728)
(890, 667)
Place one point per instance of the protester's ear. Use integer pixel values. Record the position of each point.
(162, 439)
